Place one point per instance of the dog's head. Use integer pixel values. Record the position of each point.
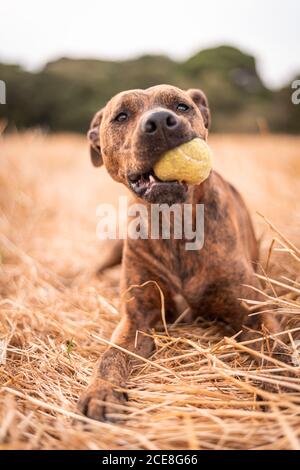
(136, 127)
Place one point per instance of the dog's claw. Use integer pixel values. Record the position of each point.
(99, 399)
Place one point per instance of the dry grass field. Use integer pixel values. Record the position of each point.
(199, 389)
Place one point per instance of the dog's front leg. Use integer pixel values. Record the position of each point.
(141, 310)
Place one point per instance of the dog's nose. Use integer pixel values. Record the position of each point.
(159, 121)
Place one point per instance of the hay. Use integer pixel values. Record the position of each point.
(199, 389)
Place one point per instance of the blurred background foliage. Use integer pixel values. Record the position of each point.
(67, 92)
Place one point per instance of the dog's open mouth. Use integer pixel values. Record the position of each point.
(150, 187)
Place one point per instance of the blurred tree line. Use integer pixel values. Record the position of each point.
(66, 93)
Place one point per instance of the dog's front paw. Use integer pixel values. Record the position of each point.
(99, 401)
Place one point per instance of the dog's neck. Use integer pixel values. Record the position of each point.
(200, 193)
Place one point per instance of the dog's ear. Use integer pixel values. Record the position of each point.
(201, 101)
(94, 139)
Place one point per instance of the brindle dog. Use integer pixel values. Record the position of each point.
(128, 136)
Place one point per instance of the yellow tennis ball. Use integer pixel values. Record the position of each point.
(190, 162)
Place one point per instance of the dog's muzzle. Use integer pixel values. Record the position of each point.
(147, 186)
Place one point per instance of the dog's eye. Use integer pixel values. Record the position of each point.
(121, 117)
(182, 107)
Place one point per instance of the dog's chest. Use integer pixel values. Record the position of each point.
(190, 272)
(184, 269)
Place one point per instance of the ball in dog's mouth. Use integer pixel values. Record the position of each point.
(149, 187)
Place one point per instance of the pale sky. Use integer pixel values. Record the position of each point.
(33, 32)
